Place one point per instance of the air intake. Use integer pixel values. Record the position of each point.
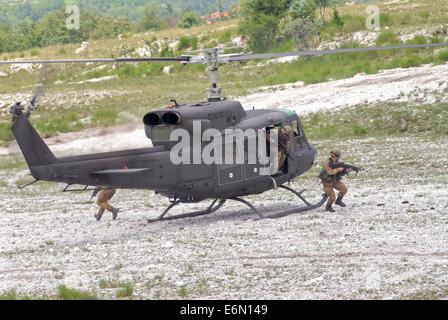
(171, 118)
(152, 119)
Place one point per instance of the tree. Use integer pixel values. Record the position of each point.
(322, 6)
(107, 27)
(189, 19)
(337, 20)
(151, 18)
(52, 29)
(303, 9)
(260, 22)
(302, 26)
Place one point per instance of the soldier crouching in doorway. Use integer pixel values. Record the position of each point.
(104, 195)
(331, 176)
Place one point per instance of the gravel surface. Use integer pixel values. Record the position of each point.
(390, 242)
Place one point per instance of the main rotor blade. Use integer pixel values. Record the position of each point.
(309, 53)
(230, 58)
(116, 60)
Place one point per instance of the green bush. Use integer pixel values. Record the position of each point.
(126, 290)
(443, 56)
(65, 293)
(188, 42)
(224, 37)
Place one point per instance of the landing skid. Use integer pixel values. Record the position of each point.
(218, 203)
(308, 206)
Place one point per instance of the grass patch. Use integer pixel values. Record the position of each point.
(428, 295)
(139, 70)
(183, 292)
(65, 293)
(126, 290)
(382, 119)
(387, 38)
(13, 295)
(93, 74)
(105, 117)
(5, 133)
(64, 123)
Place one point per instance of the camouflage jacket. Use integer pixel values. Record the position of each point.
(329, 173)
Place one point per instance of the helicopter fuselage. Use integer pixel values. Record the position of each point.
(153, 169)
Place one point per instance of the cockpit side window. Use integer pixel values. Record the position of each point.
(296, 127)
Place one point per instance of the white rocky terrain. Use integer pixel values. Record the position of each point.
(390, 242)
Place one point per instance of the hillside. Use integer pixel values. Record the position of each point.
(80, 96)
(15, 11)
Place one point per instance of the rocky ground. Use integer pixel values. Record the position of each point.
(425, 85)
(390, 242)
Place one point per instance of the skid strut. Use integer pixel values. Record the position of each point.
(308, 206)
(218, 203)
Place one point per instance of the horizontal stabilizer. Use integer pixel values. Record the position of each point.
(122, 171)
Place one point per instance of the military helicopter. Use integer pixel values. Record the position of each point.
(152, 168)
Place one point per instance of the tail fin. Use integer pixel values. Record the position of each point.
(34, 149)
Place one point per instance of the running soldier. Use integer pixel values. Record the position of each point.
(104, 195)
(331, 176)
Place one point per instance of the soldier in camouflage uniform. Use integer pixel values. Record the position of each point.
(104, 195)
(331, 177)
(283, 146)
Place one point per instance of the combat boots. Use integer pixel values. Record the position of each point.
(115, 213)
(329, 208)
(97, 216)
(340, 203)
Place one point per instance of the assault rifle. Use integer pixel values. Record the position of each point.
(347, 168)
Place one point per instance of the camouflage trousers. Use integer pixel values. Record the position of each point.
(329, 190)
(103, 200)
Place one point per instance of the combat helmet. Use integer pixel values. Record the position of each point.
(337, 153)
